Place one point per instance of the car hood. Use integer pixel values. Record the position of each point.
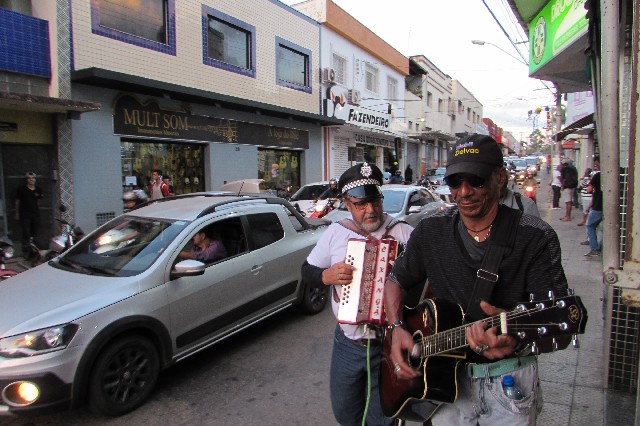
(46, 296)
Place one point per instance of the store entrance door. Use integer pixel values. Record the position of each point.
(16, 161)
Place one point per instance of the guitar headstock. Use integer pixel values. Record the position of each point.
(544, 319)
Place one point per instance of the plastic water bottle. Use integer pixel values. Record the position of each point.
(510, 388)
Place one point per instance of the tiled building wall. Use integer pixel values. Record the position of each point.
(271, 19)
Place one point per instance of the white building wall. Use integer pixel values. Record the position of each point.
(439, 85)
(186, 68)
(356, 61)
(468, 109)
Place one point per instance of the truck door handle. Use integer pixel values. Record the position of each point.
(255, 270)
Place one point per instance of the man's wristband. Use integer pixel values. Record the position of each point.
(396, 323)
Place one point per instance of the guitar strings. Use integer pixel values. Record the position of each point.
(459, 333)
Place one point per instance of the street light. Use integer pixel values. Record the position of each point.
(482, 43)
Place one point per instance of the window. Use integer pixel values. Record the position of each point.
(468, 113)
(392, 84)
(265, 229)
(229, 43)
(460, 107)
(293, 65)
(429, 98)
(144, 23)
(371, 77)
(440, 105)
(340, 68)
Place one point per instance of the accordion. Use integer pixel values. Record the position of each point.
(361, 301)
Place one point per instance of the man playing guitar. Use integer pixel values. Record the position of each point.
(447, 250)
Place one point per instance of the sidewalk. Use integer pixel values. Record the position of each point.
(573, 379)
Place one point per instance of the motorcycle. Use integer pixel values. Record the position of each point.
(530, 192)
(58, 244)
(323, 207)
(6, 252)
(70, 235)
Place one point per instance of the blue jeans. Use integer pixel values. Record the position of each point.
(348, 383)
(593, 220)
(483, 402)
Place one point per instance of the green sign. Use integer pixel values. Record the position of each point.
(557, 25)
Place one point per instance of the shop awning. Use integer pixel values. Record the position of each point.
(574, 127)
(569, 144)
(45, 104)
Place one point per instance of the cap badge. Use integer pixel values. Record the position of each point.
(366, 170)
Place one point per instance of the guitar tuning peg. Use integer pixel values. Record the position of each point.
(554, 344)
(531, 297)
(535, 349)
(575, 342)
(571, 292)
(551, 295)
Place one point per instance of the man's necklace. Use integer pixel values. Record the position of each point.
(476, 233)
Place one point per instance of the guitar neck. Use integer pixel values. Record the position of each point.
(454, 338)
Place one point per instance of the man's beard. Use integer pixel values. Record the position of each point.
(371, 227)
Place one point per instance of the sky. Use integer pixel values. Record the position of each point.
(442, 31)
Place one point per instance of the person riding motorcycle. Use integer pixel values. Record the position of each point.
(529, 186)
(332, 191)
(133, 199)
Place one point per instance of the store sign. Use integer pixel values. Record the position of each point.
(336, 106)
(373, 140)
(134, 118)
(558, 24)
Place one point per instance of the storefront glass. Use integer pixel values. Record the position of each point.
(280, 171)
(182, 162)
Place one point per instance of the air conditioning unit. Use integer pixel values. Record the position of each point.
(353, 96)
(328, 75)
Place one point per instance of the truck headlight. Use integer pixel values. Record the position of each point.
(37, 342)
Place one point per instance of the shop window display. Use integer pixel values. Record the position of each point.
(280, 171)
(182, 162)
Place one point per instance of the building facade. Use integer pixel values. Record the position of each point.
(36, 110)
(363, 81)
(208, 92)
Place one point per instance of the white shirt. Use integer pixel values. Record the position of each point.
(557, 178)
(332, 248)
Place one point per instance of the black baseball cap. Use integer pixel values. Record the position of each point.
(361, 181)
(475, 154)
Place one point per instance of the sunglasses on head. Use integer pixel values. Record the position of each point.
(454, 181)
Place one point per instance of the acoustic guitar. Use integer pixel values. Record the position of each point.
(440, 343)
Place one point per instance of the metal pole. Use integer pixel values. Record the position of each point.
(608, 134)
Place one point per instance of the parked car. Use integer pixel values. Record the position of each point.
(407, 202)
(122, 304)
(444, 192)
(436, 176)
(305, 198)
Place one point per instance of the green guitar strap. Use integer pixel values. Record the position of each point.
(503, 236)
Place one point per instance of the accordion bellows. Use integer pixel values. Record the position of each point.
(361, 301)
